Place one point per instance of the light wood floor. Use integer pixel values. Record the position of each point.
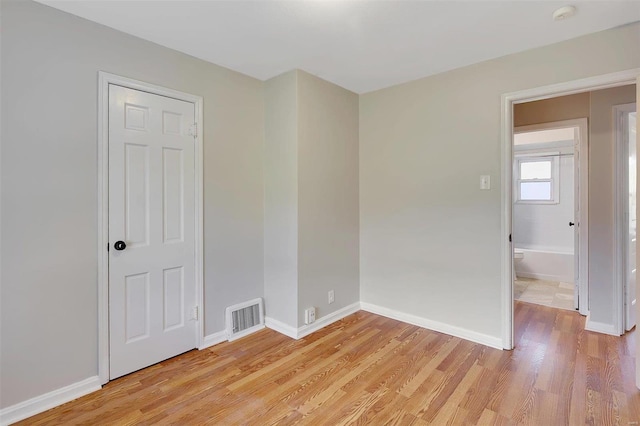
(368, 369)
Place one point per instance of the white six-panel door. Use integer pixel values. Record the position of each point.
(152, 290)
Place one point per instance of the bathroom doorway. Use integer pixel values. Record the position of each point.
(547, 205)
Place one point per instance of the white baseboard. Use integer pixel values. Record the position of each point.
(41, 403)
(213, 339)
(281, 327)
(600, 327)
(546, 277)
(463, 333)
(305, 330)
(246, 332)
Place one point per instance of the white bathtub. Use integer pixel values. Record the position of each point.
(546, 265)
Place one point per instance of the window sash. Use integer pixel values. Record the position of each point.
(553, 181)
(525, 181)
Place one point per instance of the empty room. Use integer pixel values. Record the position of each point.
(318, 212)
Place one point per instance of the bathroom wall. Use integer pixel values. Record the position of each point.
(545, 227)
(543, 230)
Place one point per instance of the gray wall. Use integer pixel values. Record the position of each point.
(50, 64)
(429, 238)
(281, 199)
(311, 197)
(328, 195)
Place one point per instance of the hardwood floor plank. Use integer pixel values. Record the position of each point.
(367, 369)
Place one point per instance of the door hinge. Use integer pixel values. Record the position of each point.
(193, 130)
(194, 313)
(509, 237)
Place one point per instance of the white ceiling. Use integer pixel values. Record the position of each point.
(360, 45)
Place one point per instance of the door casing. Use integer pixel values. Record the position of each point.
(104, 80)
(620, 218)
(507, 102)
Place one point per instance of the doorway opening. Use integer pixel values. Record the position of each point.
(549, 212)
(509, 101)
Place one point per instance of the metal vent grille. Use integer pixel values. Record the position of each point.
(244, 318)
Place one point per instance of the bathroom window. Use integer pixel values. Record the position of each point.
(537, 179)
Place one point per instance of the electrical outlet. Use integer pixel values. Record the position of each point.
(309, 315)
(332, 296)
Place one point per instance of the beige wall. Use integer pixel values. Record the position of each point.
(429, 237)
(50, 64)
(328, 196)
(554, 109)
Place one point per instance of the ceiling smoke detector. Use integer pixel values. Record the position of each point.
(564, 13)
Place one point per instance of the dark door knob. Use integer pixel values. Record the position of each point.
(120, 245)
(571, 223)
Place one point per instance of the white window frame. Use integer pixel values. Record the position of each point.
(552, 157)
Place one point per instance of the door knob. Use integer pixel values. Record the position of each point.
(119, 245)
(571, 223)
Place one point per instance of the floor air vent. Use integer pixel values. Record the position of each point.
(244, 318)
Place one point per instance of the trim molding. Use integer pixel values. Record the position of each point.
(104, 80)
(281, 327)
(601, 327)
(305, 330)
(246, 332)
(44, 402)
(547, 277)
(213, 339)
(463, 333)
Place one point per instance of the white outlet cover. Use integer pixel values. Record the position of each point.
(309, 315)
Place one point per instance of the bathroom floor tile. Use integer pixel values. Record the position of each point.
(541, 292)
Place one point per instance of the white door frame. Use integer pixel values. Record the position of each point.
(620, 207)
(508, 100)
(581, 173)
(104, 80)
